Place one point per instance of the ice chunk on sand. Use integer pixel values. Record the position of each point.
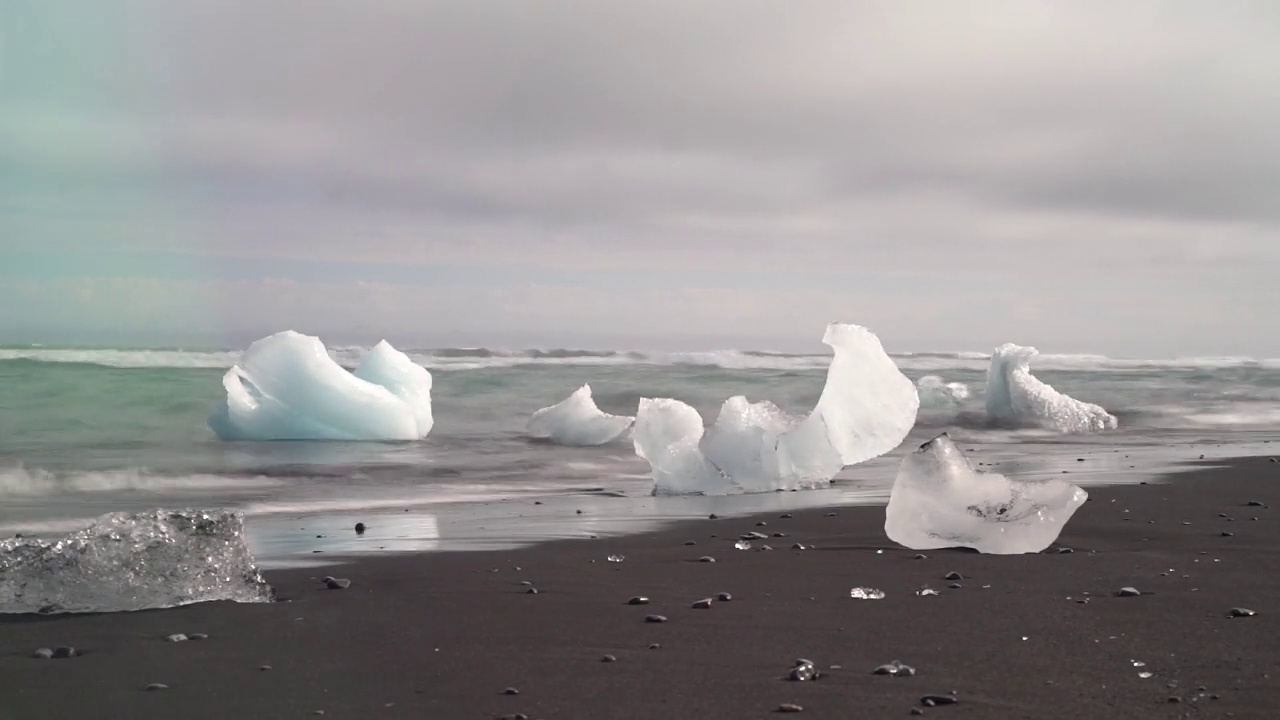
(577, 421)
(132, 561)
(939, 500)
(1014, 394)
(866, 408)
(938, 393)
(286, 387)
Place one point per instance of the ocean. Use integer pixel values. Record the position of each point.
(89, 431)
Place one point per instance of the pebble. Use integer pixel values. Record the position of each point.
(955, 586)
(510, 691)
(690, 542)
(799, 546)
(1129, 592)
(608, 659)
(526, 583)
(1239, 612)
(916, 711)
(831, 514)
(761, 524)
(43, 654)
(789, 708)
(176, 638)
(1227, 534)
(655, 618)
(896, 669)
(922, 556)
(531, 591)
(654, 646)
(932, 700)
(156, 686)
(713, 516)
(1174, 699)
(638, 600)
(334, 583)
(1254, 503)
(516, 716)
(785, 516)
(766, 547)
(703, 604)
(64, 652)
(706, 558)
(360, 528)
(953, 576)
(779, 534)
(753, 536)
(724, 597)
(198, 636)
(264, 668)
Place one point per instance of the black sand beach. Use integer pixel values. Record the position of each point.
(442, 635)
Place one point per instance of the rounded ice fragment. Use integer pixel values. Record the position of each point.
(1015, 395)
(577, 421)
(940, 500)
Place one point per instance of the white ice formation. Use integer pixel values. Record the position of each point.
(939, 500)
(1014, 394)
(866, 408)
(577, 421)
(135, 561)
(937, 393)
(286, 387)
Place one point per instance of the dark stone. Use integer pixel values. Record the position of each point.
(1174, 699)
(753, 536)
(156, 686)
(526, 583)
(1254, 503)
(1227, 534)
(360, 528)
(608, 659)
(690, 542)
(895, 669)
(831, 514)
(1128, 592)
(638, 600)
(790, 708)
(531, 591)
(510, 691)
(706, 558)
(43, 654)
(785, 516)
(724, 597)
(1239, 612)
(802, 673)
(953, 575)
(198, 636)
(176, 638)
(922, 556)
(264, 668)
(579, 512)
(713, 516)
(334, 583)
(655, 618)
(799, 546)
(654, 646)
(779, 534)
(1065, 551)
(916, 711)
(703, 604)
(64, 652)
(955, 586)
(933, 700)
(761, 524)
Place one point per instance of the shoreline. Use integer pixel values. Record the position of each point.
(441, 635)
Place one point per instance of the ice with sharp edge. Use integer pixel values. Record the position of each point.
(287, 387)
(866, 409)
(1015, 395)
(132, 561)
(939, 500)
(577, 421)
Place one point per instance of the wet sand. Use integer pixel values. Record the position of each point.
(441, 635)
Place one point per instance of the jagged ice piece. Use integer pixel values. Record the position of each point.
(1014, 394)
(577, 421)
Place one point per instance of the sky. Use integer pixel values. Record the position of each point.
(1085, 176)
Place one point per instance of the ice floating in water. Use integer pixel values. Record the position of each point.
(939, 500)
(286, 387)
(866, 408)
(132, 561)
(1014, 394)
(937, 393)
(577, 421)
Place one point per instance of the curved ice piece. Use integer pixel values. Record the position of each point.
(1014, 394)
(286, 387)
(938, 393)
(577, 421)
(939, 500)
(866, 408)
(133, 561)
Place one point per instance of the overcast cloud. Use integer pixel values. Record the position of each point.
(1081, 176)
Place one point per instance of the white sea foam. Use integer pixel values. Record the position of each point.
(38, 482)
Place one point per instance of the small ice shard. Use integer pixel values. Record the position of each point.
(866, 408)
(743, 545)
(1144, 675)
(616, 558)
(896, 669)
(927, 591)
(1015, 395)
(940, 500)
(938, 393)
(866, 593)
(286, 387)
(577, 421)
(132, 561)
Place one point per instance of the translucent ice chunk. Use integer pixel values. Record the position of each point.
(1015, 395)
(940, 500)
(286, 387)
(133, 561)
(866, 408)
(577, 421)
(866, 593)
(938, 393)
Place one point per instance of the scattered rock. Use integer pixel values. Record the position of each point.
(831, 514)
(531, 591)
(1128, 592)
(1254, 503)
(43, 654)
(608, 659)
(922, 556)
(761, 524)
(932, 700)
(360, 528)
(896, 669)
(176, 638)
(953, 575)
(703, 604)
(1239, 612)
(690, 542)
(779, 534)
(655, 618)
(955, 586)
(706, 558)
(65, 652)
(156, 686)
(916, 711)
(264, 668)
(724, 597)
(638, 600)
(198, 636)
(526, 583)
(1174, 699)
(1227, 534)
(713, 516)
(799, 546)
(785, 516)
(654, 646)
(753, 536)
(766, 547)
(790, 708)
(334, 583)
(803, 673)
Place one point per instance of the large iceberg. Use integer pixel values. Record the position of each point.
(136, 561)
(286, 387)
(866, 408)
(939, 500)
(938, 393)
(577, 421)
(1015, 395)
